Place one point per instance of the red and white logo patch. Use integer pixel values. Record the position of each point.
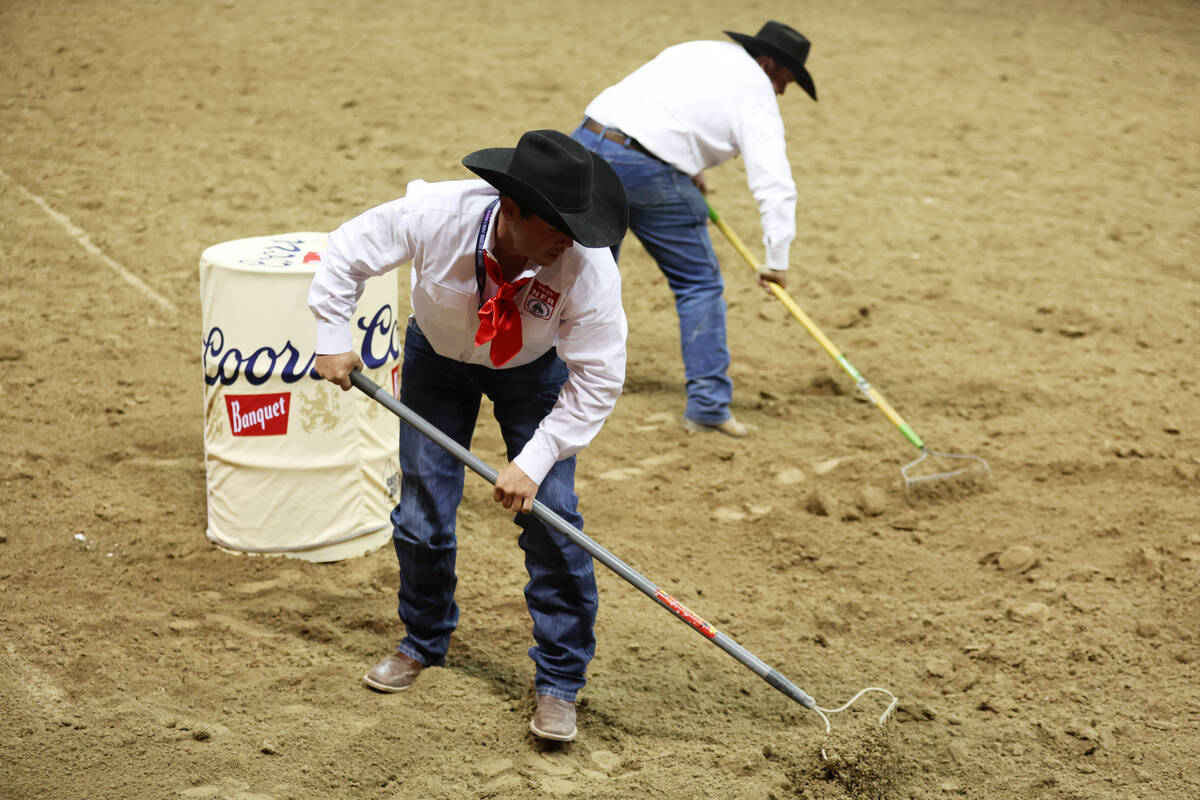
(541, 300)
(258, 414)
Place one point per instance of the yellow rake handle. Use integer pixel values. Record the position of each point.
(870, 391)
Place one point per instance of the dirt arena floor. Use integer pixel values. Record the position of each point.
(997, 223)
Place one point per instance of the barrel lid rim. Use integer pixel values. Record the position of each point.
(217, 255)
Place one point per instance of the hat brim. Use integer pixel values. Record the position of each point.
(602, 224)
(754, 44)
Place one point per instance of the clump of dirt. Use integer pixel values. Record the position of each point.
(859, 762)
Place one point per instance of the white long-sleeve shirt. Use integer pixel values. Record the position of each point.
(699, 104)
(573, 305)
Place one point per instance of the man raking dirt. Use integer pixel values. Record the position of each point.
(515, 296)
(694, 106)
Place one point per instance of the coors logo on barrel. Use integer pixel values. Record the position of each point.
(227, 364)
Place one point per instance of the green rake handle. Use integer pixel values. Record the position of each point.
(870, 391)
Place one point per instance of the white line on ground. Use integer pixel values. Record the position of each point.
(80, 236)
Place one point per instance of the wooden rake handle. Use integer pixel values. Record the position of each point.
(864, 386)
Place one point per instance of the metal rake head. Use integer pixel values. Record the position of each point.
(964, 464)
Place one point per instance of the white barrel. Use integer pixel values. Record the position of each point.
(293, 464)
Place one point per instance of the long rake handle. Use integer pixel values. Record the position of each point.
(870, 391)
(542, 512)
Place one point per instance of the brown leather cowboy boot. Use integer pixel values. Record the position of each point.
(730, 427)
(395, 673)
(554, 719)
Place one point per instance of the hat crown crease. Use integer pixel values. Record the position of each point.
(785, 37)
(562, 177)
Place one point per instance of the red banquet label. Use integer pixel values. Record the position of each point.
(258, 414)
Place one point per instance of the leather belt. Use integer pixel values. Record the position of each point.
(618, 136)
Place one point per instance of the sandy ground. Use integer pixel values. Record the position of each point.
(998, 223)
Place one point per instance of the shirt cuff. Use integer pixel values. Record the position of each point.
(777, 257)
(535, 460)
(333, 339)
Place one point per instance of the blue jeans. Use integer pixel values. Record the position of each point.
(669, 216)
(561, 593)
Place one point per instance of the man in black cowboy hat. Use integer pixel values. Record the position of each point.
(515, 295)
(694, 106)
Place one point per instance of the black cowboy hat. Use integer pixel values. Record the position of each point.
(784, 44)
(550, 174)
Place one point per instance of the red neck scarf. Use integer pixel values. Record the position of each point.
(499, 318)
